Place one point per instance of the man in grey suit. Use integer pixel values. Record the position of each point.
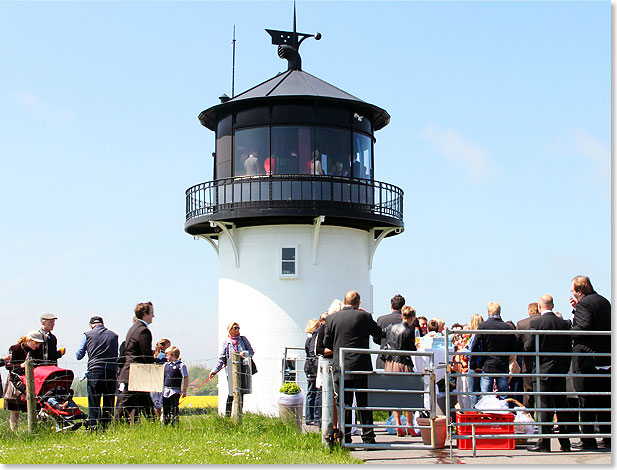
(351, 328)
(396, 304)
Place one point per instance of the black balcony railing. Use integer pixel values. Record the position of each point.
(303, 193)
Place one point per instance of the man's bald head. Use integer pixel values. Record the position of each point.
(545, 303)
(352, 298)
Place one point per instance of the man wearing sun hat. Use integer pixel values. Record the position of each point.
(49, 353)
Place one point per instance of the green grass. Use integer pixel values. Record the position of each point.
(199, 439)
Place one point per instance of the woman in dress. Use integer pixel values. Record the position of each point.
(233, 343)
(400, 336)
(24, 349)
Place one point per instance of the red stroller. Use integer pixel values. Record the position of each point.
(52, 386)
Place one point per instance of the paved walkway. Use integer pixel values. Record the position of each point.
(519, 456)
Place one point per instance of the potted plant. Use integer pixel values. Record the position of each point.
(290, 403)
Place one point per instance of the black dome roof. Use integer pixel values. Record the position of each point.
(289, 84)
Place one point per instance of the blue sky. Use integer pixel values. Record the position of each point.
(500, 137)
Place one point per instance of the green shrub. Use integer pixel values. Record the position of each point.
(290, 388)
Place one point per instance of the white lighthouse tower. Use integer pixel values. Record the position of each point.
(293, 210)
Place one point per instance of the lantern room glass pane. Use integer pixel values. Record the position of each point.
(251, 149)
(291, 150)
(223, 149)
(334, 146)
(362, 164)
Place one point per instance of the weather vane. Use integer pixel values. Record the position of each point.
(289, 44)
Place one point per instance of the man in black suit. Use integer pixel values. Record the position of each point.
(488, 343)
(396, 304)
(551, 365)
(138, 349)
(592, 312)
(528, 361)
(351, 328)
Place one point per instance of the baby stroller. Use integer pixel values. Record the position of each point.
(52, 386)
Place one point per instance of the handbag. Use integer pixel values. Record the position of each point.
(253, 366)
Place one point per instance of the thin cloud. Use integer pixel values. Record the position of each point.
(31, 102)
(578, 143)
(474, 159)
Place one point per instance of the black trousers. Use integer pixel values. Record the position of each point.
(600, 383)
(140, 402)
(552, 403)
(101, 387)
(365, 416)
(171, 409)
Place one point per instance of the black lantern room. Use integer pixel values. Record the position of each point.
(291, 149)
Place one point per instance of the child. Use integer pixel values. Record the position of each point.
(62, 399)
(159, 358)
(175, 385)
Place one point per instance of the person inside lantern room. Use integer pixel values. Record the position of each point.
(315, 164)
(270, 164)
(233, 343)
(337, 169)
(251, 164)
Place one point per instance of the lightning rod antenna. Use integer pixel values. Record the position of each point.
(233, 62)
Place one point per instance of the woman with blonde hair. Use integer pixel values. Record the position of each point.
(312, 413)
(233, 343)
(325, 354)
(474, 361)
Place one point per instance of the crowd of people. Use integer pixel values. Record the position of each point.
(482, 359)
(109, 364)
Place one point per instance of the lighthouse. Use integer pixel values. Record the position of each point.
(293, 210)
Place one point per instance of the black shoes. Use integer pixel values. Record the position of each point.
(605, 444)
(585, 445)
(539, 447)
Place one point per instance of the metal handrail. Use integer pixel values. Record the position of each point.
(537, 354)
(369, 196)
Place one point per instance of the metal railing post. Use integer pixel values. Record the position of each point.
(327, 403)
(236, 365)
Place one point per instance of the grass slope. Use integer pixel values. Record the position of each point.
(202, 439)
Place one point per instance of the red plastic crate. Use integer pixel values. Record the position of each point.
(499, 427)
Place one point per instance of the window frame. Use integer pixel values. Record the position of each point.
(282, 275)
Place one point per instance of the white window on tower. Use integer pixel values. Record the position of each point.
(289, 262)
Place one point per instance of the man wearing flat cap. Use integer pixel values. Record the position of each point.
(101, 345)
(48, 352)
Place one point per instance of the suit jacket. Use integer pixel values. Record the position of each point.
(488, 343)
(47, 353)
(138, 348)
(528, 361)
(550, 343)
(351, 328)
(384, 322)
(592, 313)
